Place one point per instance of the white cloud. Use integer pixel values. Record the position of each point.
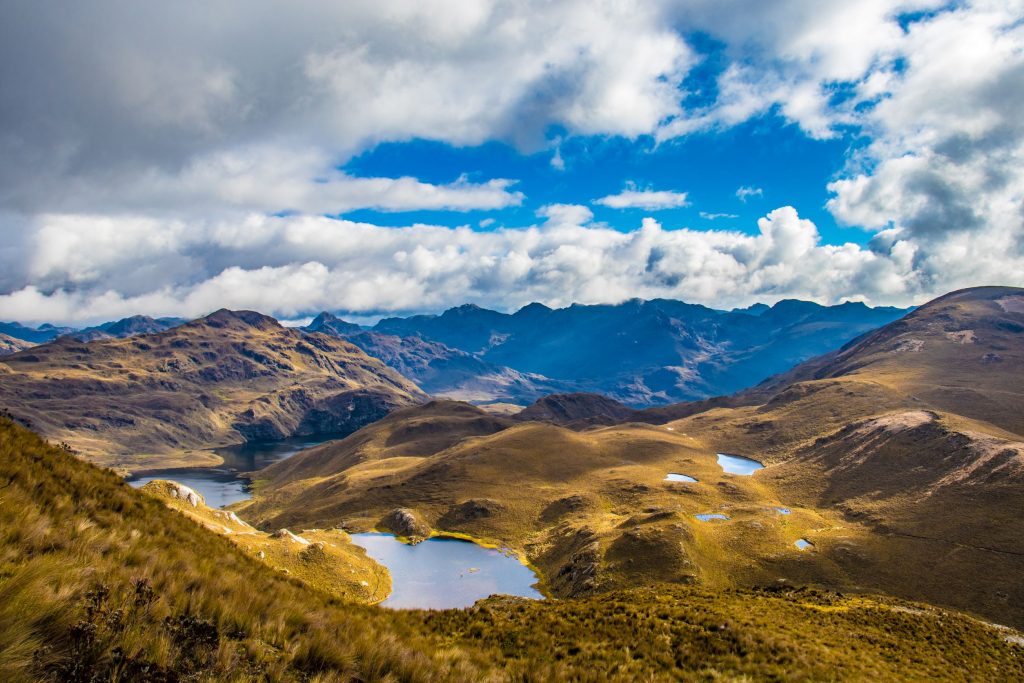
(716, 216)
(137, 177)
(744, 193)
(651, 200)
(297, 265)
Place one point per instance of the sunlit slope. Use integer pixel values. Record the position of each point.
(590, 509)
(322, 558)
(147, 401)
(100, 581)
(77, 544)
(913, 433)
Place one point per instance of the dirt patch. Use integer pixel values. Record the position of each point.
(962, 337)
(1012, 304)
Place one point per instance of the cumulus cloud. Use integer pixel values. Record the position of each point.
(652, 200)
(293, 266)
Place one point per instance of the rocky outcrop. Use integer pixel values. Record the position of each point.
(404, 522)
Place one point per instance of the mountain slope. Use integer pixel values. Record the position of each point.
(146, 401)
(10, 345)
(440, 370)
(913, 431)
(646, 352)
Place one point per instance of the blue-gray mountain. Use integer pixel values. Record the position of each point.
(116, 329)
(638, 352)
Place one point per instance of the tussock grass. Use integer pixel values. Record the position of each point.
(100, 582)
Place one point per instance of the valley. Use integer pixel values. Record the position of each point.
(835, 477)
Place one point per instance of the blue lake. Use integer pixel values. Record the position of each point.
(737, 464)
(803, 544)
(222, 485)
(444, 573)
(672, 476)
(784, 511)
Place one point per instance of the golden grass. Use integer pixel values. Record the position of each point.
(99, 581)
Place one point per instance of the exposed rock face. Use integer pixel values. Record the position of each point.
(284, 534)
(404, 522)
(646, 352)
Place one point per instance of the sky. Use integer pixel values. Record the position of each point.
(373, 158)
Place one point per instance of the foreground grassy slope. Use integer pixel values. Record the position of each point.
(157, 400)
(322, 558)
(102, 582)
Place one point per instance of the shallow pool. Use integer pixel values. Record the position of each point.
(672, 476)
(710, 516)
(737, 464)
(803, 544)
(443, 573)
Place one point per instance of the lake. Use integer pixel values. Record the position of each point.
(672, 476)
(221, 485)
(445, 573)
(737, 464)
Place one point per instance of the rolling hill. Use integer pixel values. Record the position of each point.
(879, 452)
(99, 581)
(157, 400)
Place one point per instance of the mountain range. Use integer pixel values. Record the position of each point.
(638, 352)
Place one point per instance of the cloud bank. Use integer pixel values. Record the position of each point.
(300, 264)
(145, 150)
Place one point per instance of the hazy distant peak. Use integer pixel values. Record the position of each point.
(332, 324)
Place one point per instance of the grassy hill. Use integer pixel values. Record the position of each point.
(99, 581)
(157, 400)
(322, 558)
(877, 451)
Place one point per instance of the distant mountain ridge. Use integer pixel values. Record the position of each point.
(647, 352)
(641, 353)
(115, 329)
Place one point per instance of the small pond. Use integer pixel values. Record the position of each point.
(672, 476)
(444, 573)
(710, 516)
(784, 511)
(737, 464)
(803, 544)
(221, 485)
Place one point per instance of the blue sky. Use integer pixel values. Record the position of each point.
(371, 158)
(765, 153)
